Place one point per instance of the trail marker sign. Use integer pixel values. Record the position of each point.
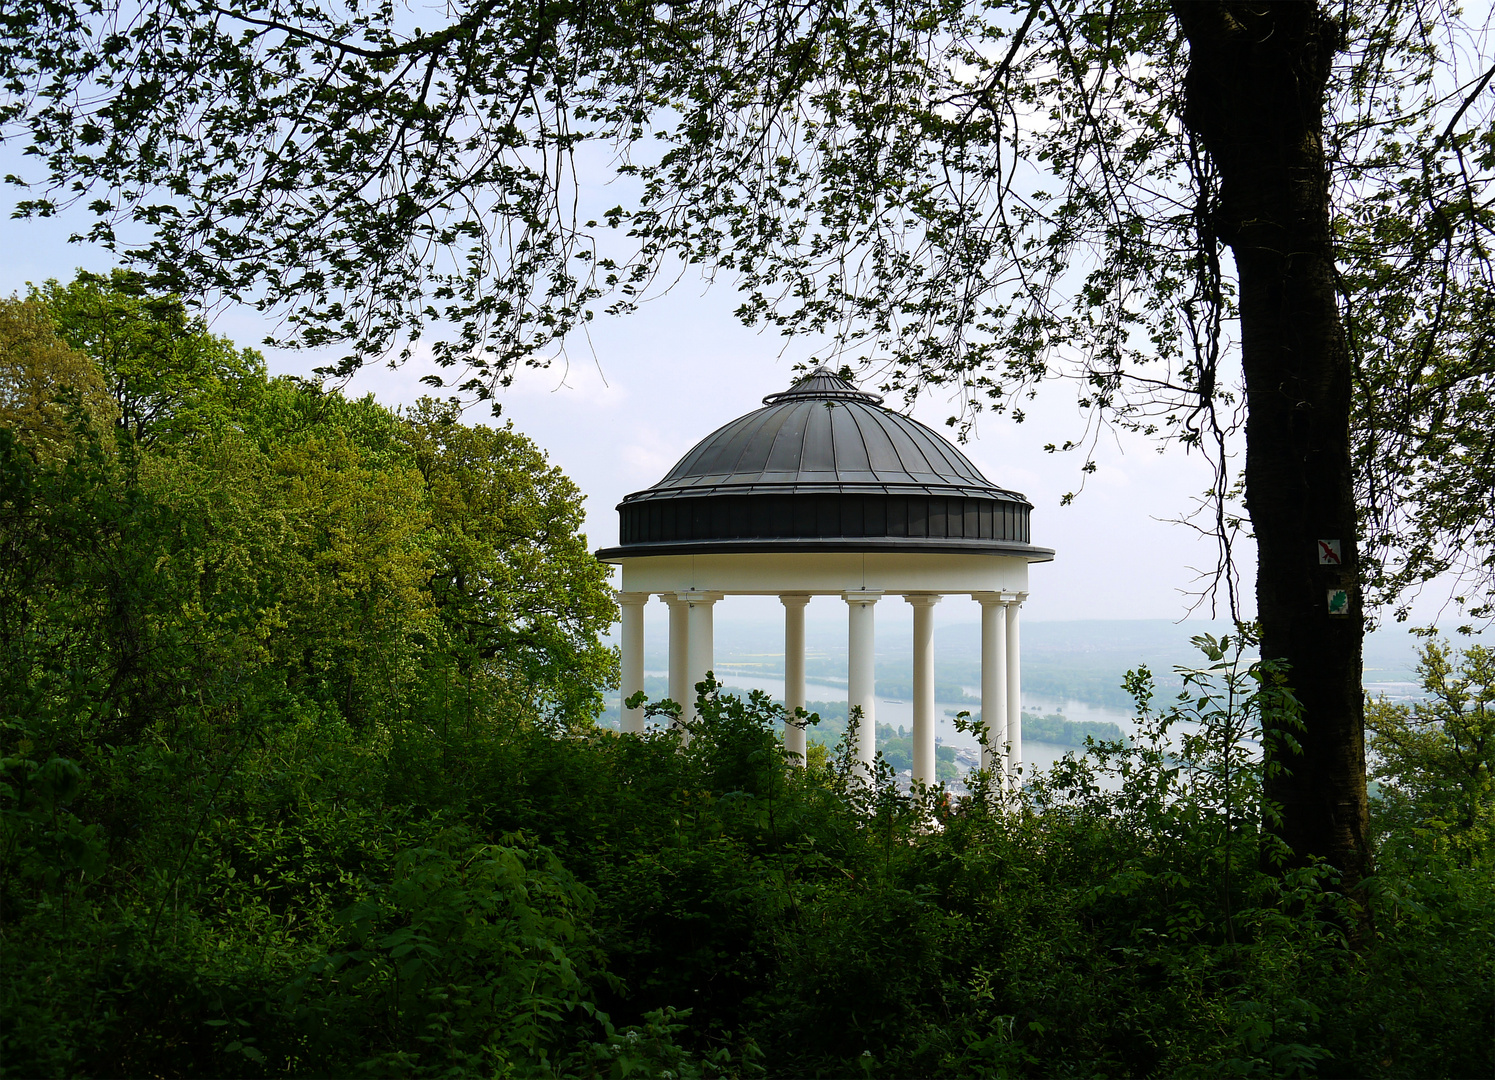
(1329, 553)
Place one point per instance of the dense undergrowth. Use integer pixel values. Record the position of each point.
(300, 779)
(473, 900)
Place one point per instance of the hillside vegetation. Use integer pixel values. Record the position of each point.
(301, 778)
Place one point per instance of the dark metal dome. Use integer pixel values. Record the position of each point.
(824, 466)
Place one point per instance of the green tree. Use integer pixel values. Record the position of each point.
(226, 838)
(1434, 760)
(308, 557)
(265, 535)
(519, 594)
(87, 596)
(36, 366)
(977, 196)
(162, 366)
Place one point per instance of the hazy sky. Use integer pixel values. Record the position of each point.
(624, 406)
(630, 400)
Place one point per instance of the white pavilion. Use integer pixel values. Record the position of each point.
(826, 492)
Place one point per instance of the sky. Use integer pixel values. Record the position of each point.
(619, 409)
(628, 401)
(624, 407)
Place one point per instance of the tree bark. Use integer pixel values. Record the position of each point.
(1255, 98)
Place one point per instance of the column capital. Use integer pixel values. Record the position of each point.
(631, 599)
(794, 599)
(862, 596)
(923, 599)
(1003, 598)
(702, 597)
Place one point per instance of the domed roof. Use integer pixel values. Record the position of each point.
(823, 435)
(824, 466)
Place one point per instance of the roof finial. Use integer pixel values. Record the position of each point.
(823, 384)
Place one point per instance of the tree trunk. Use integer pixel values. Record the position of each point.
(1255, 98)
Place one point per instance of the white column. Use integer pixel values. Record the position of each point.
(700, 645)
(994, 681)
(794, 670)
(678, 647)
(860, 670)
(924, 771)
(631, 640)
(1014, 687)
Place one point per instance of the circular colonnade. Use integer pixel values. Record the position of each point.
(825, 492)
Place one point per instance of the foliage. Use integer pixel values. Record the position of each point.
(983, 194)
(280, 794)
(275, 891)
(1433, 760)
(35, 366)
(981, 197)
(166, 372)
(514, 581)
(1417, 274)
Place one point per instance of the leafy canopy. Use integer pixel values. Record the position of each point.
(975, 196)
(1433, 760)
(165, 370)
(265, 530)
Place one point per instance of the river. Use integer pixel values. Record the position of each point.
(1036, 755)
